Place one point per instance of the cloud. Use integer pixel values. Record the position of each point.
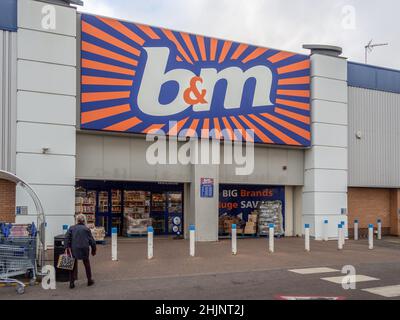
(281, 24)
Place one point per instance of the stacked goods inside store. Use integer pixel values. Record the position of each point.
(158, 202)
(251, 224)
(175, 203)
(270, 212)
(226, 221)
(98, 234)
(136, 212)
(116, 201)
(103, 201)
(85, 203)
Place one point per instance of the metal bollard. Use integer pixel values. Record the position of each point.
(371, 236)
(326, 230)
(307, 237)
(192, 235)
(271, 237)
(379, 229)
(234, 239)
(355, 229)
(340, 236)
(150, 243)
(114, 249)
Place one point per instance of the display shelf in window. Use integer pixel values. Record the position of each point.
(158, 202)
(174, 203)
(85, 203)
(136, 212)
(116, 201)
(102, 205)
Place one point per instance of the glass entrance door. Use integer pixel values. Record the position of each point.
(116, 210)
(109, 210)
(175, 213)
(166, 213)
(102, 212)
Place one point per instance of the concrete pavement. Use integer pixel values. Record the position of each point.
(215, 274)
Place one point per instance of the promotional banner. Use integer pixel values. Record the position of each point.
(237, 199)
(247, 204)
(136, 78)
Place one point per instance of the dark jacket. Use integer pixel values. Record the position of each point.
(79, 238)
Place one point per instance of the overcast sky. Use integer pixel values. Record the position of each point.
(279, 24)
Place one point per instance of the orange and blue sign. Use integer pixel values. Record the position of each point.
(140, 79)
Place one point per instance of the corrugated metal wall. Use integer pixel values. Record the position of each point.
(374, 160)
(8, 96)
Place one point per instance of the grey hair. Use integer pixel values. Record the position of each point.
(80, 218)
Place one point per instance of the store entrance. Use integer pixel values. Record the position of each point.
(131, 206)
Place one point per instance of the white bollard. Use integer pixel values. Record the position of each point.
(150, 243)
(65, 228)
(355, 229)
(234, 239)
(192, 235)
(326, 230)
(271, 237)
(379, 229)
(307, 237)
(114, 249)
(340, 236)
(371, 236)
(343, 233)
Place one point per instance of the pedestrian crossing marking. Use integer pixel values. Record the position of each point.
(387, 292)
(313, 270)
(349, 279)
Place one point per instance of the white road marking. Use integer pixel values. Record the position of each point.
(358, 278)
(313, 270)
(387, 292)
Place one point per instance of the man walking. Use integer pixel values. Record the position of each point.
(78, 239)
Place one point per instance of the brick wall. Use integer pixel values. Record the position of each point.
(7, 201)
(368, 205)
(395, 212)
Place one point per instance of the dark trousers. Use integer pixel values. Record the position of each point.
(73, 275)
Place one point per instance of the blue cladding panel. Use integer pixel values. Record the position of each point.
(8, 15)
(375, 78)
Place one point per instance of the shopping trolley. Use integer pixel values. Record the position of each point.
(18, 257)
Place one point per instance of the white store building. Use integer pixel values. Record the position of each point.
(80, 91)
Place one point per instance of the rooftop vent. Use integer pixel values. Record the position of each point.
(324, 49)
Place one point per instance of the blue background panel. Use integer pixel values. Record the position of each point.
(374, 78)
(8, 15)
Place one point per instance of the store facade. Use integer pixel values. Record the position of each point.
(87, 89)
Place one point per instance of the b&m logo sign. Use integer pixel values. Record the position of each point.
(137, 78)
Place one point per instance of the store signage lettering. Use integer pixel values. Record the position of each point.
(138, 78)
(243, 200)
(197, 91)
